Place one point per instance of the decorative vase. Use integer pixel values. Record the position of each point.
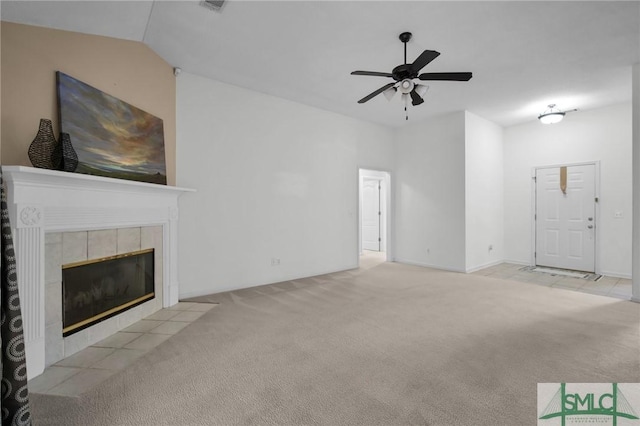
(69, 161)
(41, 151)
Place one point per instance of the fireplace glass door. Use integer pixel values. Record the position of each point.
(95, 290)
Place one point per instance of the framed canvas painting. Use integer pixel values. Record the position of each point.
(111, 137)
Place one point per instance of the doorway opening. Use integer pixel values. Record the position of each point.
(565, 217)
(374, 216)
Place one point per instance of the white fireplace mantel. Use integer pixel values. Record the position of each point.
(41, 201)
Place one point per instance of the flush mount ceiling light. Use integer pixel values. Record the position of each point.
(552, 115)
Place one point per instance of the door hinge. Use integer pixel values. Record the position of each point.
(596, 199)
(379, 239)
(535, 255)
(534, 178)
(535, 216)
(379, 213)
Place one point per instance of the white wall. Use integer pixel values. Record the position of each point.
(430, 193)
(275, 179)
(603, 134)
(484, 192)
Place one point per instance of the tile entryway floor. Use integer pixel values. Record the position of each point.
(605, 286)
(91, 366)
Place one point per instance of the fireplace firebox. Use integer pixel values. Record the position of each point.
(95, 290)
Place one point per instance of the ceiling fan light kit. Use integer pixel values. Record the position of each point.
(405, 100)
(404, 75)
(390, 93)
(421, 89)
(215, 5)
(406, 86)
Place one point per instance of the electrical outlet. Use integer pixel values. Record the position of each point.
(275, 261)
(490, 247)
(617, 214)
(428, 252)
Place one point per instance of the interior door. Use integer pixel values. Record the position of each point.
(371, 214)
(565, 217)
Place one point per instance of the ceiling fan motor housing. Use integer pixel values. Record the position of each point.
(402, 72)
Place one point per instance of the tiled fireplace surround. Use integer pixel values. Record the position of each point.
(67, 247)
(59, 218)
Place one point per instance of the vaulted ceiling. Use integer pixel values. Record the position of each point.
(523, 55)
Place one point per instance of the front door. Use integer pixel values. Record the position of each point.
(565, 217)
(371, 214)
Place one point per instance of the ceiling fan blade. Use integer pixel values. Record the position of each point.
(415, 98)
(450, 76)
(377, 92)
(422, 60)
(372, 73)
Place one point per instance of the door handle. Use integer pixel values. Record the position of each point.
(590, 226)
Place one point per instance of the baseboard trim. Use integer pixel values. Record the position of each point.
(427, 265)
(615, 274)
(198, 293)
(190, 294)
(487, 265)
(517, 262)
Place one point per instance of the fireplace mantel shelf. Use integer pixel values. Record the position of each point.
(53, 178)
(47, 201)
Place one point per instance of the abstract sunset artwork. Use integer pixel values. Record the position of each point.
(111, 137)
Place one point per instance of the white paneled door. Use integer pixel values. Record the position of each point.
(371, 214)
(565, 217)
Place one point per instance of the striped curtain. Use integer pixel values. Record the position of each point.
(15, 393)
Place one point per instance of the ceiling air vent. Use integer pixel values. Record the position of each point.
(213, 4)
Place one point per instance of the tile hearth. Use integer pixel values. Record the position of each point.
(91, 366)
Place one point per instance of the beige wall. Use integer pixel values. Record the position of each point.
(125, 69)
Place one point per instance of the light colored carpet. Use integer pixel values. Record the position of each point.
(383, 345)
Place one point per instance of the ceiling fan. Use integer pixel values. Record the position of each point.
(405, 73)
